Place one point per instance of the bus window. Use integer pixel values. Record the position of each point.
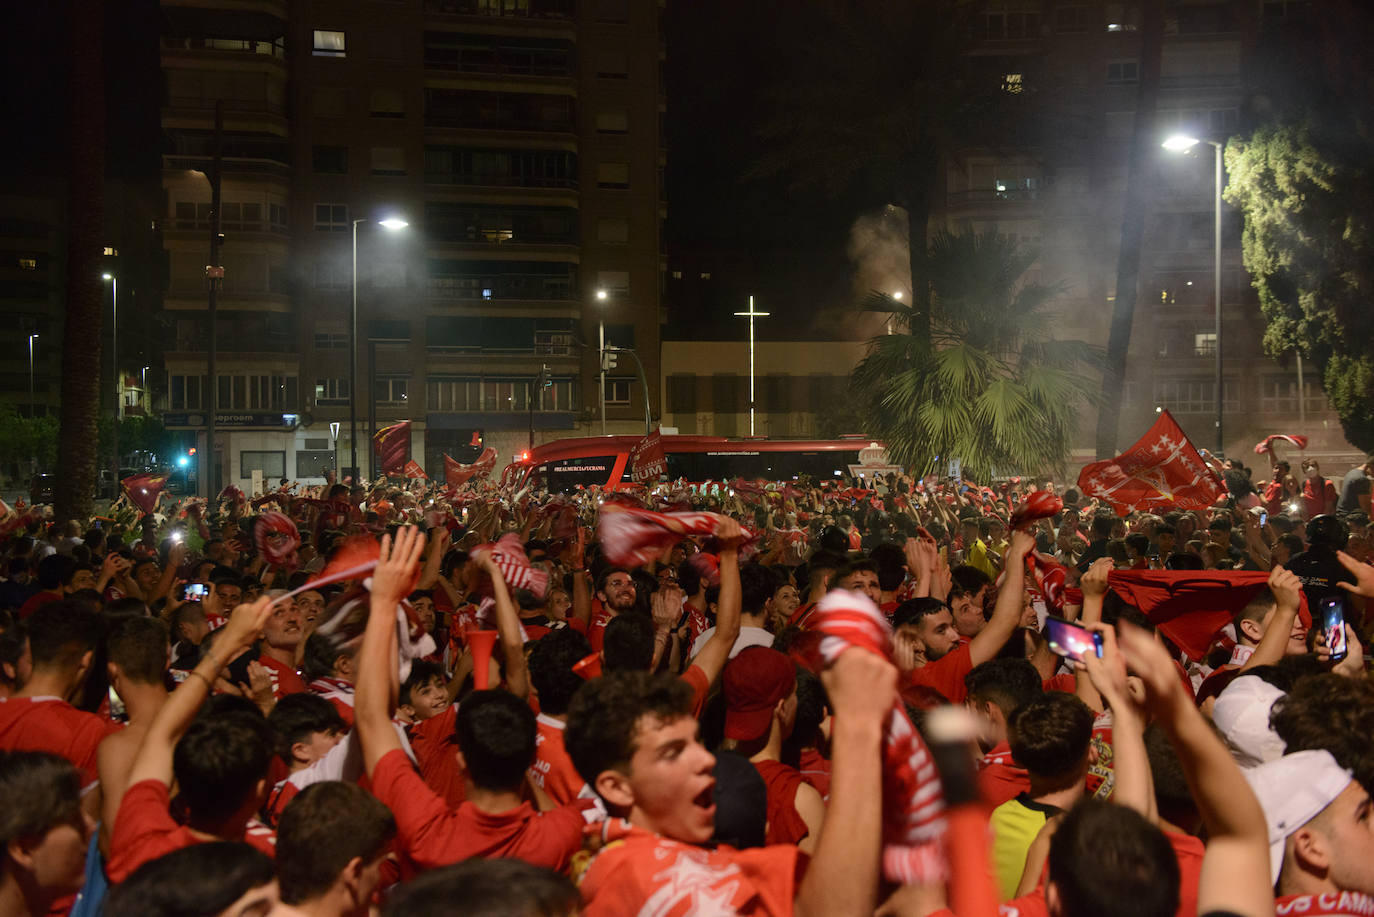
(564, 475)
(770, 466)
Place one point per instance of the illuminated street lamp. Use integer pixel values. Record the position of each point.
(1180, 143)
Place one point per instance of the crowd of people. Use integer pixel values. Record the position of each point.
(753, 698)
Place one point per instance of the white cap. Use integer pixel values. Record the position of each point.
(1293, 790)
(1242, 714)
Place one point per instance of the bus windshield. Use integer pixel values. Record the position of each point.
(564, 475)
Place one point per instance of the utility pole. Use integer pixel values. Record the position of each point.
(214, 274)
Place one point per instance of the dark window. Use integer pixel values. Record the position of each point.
(518, 111)
(682, 394)
(330, 159)
(271, 464)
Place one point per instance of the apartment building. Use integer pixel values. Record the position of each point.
(1077, 64)
(518, 141)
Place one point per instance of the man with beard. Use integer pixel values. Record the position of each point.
(615, 593)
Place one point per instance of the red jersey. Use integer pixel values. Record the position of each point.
(51, 724)
(639, 872)
(144, 830)
(552, 769)
(701, 687)
(432, 742)
(433, 834)
(35, 602)
(815, 770)
(785, 824)
(284, 678)
(1325, 904)
(999, 779)
(946, 674)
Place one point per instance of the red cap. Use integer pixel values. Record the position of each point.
(753, 683)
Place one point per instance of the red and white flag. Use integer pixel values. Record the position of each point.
(413, 470)
(1267, 444)
(392, 446)
(631, 536)
(456, 474)
(1162, 471)
(509, 554)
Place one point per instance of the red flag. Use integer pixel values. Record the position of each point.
(647, 460)
(413, 470)
(476, 439)
(144, 489)
(392, 445)
(1268, 444)
(456, 474)
(1162, 471)
(1191, 606)
(277, 539)
(630, 536)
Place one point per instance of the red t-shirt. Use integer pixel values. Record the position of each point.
(1325, 904)
(432, 834)
(815, 770)
(785, 824)
(946, 674)
(284, 678)
(51, 724)
(35, 602)
(145, 830)
(999, 779)
(1314, 500)
(639, 872)
(432, 742)
(553, 770)
(701, 687)
(1066, 682)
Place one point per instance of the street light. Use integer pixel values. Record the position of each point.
(33, 400)
(601, 296)
(391, 224)
(1179, 143)
(114, 357)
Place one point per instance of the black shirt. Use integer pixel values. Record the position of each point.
(1320, 571)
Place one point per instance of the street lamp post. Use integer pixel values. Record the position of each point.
(601, 358)
(390, 223)
(1179, 143)
(751, 314)
(33, 399)
(114, 358)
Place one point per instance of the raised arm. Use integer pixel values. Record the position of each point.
(1006, 614)
(581, 591)
(508, 630)
(1235, 869)
(429, 574)
(1287, 589)
(154, 758)
(842, 878)
(713, 656)
(375, 692)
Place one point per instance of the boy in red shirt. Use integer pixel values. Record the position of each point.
(220, 765)
(495, 735)
(39, 717)
(995, 689)
(551, 661)
(632, 738)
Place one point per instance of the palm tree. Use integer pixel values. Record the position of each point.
(76, 478)
(991, 385)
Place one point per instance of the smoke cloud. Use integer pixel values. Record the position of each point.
(878, 247)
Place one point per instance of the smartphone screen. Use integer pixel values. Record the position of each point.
(195, 592)
(1332, 611)
(1069, 640)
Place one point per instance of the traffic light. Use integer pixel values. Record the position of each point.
(608, 360)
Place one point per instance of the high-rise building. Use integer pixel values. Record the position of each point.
(1077, 66)
(520, 143)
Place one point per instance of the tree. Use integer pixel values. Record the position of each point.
(74, 489)
(26, 444)
(1305, 189)
(1303, 185)
(990, 385)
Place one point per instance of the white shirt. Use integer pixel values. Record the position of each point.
(748, 636)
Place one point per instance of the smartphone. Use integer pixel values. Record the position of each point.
(1332, 622)
(1071, 641)
(194, 592)
(1264, 518)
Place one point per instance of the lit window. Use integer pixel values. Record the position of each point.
(1205, 345)
(329, 43)
(28, 264)
(1012, 83)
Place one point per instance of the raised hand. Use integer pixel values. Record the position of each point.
(398, 564)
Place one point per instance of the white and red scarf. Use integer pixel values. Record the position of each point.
(631, 536)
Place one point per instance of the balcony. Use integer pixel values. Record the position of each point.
(530, 287)
(505, 9)
(229, 164)
(249, 47)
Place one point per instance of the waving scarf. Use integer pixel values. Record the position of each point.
(631, 536)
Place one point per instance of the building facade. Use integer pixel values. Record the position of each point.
(520, 143)
(1077, 63)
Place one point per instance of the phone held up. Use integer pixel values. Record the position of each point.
(1331, 614)
(1070, 640)
(195, 592)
